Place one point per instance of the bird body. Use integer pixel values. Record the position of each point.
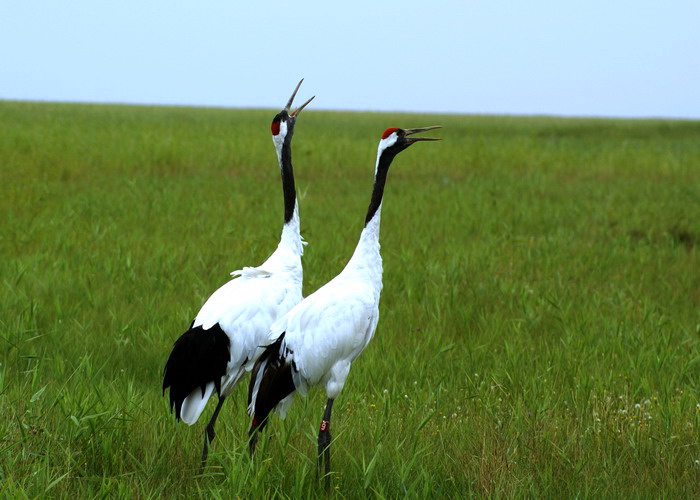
(326, 332)
(226, 336)
(243, 309)
(316, 342)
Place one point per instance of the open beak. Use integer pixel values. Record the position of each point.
(411, 131)
(291, 99)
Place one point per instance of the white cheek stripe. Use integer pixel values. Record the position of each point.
(388, 142)
(383, 144)
(283, 129)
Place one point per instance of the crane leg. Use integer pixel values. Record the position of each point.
(209, 433)
(252, 436)
(324, 443)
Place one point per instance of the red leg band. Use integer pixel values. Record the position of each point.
(325, 424)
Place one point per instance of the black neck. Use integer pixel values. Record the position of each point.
(379, 180)
(288, 188)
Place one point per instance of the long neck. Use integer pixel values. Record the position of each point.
(291, 235)
(290, 196)
(367, 251)
(375, 203)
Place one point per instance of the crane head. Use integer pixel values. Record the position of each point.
(283, 123)
(394, 139)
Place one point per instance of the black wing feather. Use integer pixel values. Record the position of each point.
(276, 383)
(198, 357)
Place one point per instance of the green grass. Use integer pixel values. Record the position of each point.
(540, 319)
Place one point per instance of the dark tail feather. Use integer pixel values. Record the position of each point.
(198, 357)
(275, 383)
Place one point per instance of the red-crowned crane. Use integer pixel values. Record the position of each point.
(316, 342)
(225, 339)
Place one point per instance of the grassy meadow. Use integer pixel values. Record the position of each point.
(540, 319)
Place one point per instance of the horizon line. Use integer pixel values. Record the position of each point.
(342, 110)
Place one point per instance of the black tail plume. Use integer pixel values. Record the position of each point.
(198, 357)
(276, 383)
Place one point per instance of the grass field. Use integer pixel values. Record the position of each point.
(540, 319)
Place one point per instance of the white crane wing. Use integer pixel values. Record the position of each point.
(244, 308)
(327, 331)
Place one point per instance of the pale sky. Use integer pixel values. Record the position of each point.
(630, 58)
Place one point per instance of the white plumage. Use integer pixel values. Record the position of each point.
(224, 340)
(245, 307)
(330, 328)
(316, 342)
